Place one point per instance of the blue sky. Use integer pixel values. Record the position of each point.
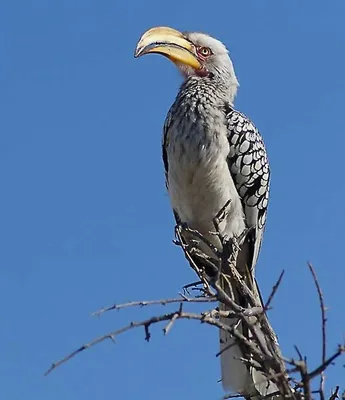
(85, 219)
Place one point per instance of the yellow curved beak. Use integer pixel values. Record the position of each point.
(170, 43)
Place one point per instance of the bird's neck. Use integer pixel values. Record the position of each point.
(210, 89)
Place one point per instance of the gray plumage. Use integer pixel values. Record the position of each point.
(212, 154)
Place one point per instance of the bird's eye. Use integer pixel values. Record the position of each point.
(204, 51)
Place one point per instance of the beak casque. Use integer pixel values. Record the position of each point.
(170, 43)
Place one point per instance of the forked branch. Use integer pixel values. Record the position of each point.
(216, 270)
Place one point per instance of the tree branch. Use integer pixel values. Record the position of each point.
(162, 302)
(218, 274)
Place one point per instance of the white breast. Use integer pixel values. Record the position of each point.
(199, 180)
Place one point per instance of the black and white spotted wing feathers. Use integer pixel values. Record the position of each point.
(249, 167)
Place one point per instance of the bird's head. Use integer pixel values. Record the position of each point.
(194, 53)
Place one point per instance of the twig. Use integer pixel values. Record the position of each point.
(317, 371)
(274, 291)
(334, 395)
(173, 319)
(232, 396)
(147, 323)
(184, 247)
(147, 332)
(299, 353)
(198, 235)
(220, 217)
(182, 299)
(323, 328)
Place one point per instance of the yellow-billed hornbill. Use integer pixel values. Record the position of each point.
(212, 154)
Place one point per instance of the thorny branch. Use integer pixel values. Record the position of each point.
(323, 328)
(218, 275)
(163, 302)
(170, 317)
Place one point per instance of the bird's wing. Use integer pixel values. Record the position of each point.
(249, 167)
(165, 156)
(165, 144)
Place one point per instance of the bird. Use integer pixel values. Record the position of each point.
(214, 154)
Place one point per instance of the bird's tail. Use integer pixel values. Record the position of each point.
(237, 375)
